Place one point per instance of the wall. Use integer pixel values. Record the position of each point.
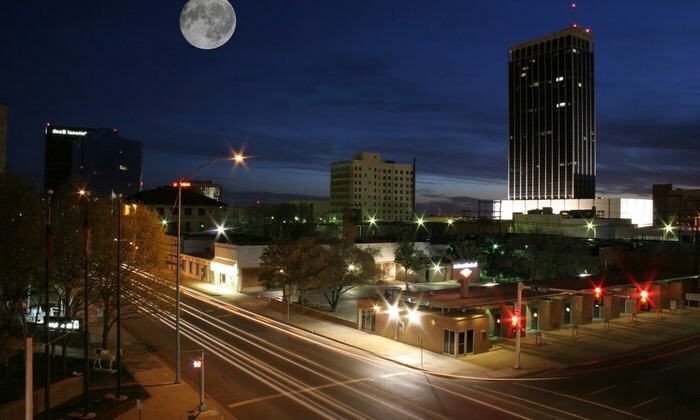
(61, 392)
(430, 327)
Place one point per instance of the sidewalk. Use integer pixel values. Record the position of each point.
(167, 400)
(555, 350)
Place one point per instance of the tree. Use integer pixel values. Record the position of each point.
(327, 263)
(21, 248)
(143, 246)
(272, 267)
(66, 269)
(292, 263)
(408, 256)
(464, 250)
(282, 221)
(551, 256)
(346, 267)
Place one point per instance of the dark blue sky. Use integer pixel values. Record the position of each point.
(304, 83)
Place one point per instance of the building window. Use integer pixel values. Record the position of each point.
(368, 320)
(449, 342)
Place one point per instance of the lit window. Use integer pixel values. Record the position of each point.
(561, 104)
(523, 74)
(559, 79)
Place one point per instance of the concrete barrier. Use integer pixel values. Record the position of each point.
(61, 391)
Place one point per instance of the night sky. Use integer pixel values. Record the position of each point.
(305, 83)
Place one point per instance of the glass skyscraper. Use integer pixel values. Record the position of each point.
(108, 163)
(552, 130)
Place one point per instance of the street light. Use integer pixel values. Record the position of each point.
(590, 226)
(237, 158)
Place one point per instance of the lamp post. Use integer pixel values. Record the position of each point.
(86, 330)
(237, 158)
(119, 295)
(394, 313)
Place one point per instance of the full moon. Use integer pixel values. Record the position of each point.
(207, 24)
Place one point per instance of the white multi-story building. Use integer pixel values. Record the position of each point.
(372, 189)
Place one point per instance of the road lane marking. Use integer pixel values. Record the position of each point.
(668, 368)
(607, 407)
(528, 401)
(601, 390)
(645, 402)
(311, 389)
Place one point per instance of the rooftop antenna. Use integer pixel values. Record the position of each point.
(573, 15)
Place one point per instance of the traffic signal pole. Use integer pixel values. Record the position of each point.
(517, 325)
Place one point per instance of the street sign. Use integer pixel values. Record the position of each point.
(539, 289)
(619, 295)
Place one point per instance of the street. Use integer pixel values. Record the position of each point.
(259, 366)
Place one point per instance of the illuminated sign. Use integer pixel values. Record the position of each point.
(184, 184)
(68, 132)
(471, 264)
(465, 270)
(64, 324)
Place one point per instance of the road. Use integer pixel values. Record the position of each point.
(260, 367)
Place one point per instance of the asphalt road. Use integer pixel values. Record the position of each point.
(260, 367)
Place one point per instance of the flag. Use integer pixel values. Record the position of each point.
(48, 242)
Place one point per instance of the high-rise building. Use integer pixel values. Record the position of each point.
(370, 188)
(108, 163)
(552, 128)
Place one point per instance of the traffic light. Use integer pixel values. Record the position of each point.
(644, 294)
(598, 297)
(197, 363)
(514, 320)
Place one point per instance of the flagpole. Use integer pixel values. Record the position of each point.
(86, 355)
(119, 305)
(47, 334)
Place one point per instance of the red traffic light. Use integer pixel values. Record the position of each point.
(644, 294)
(514, 320)
(598, 290)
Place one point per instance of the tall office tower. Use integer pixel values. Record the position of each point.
(107, 162)
(552, 130)
(371, 188)
(3, 139)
